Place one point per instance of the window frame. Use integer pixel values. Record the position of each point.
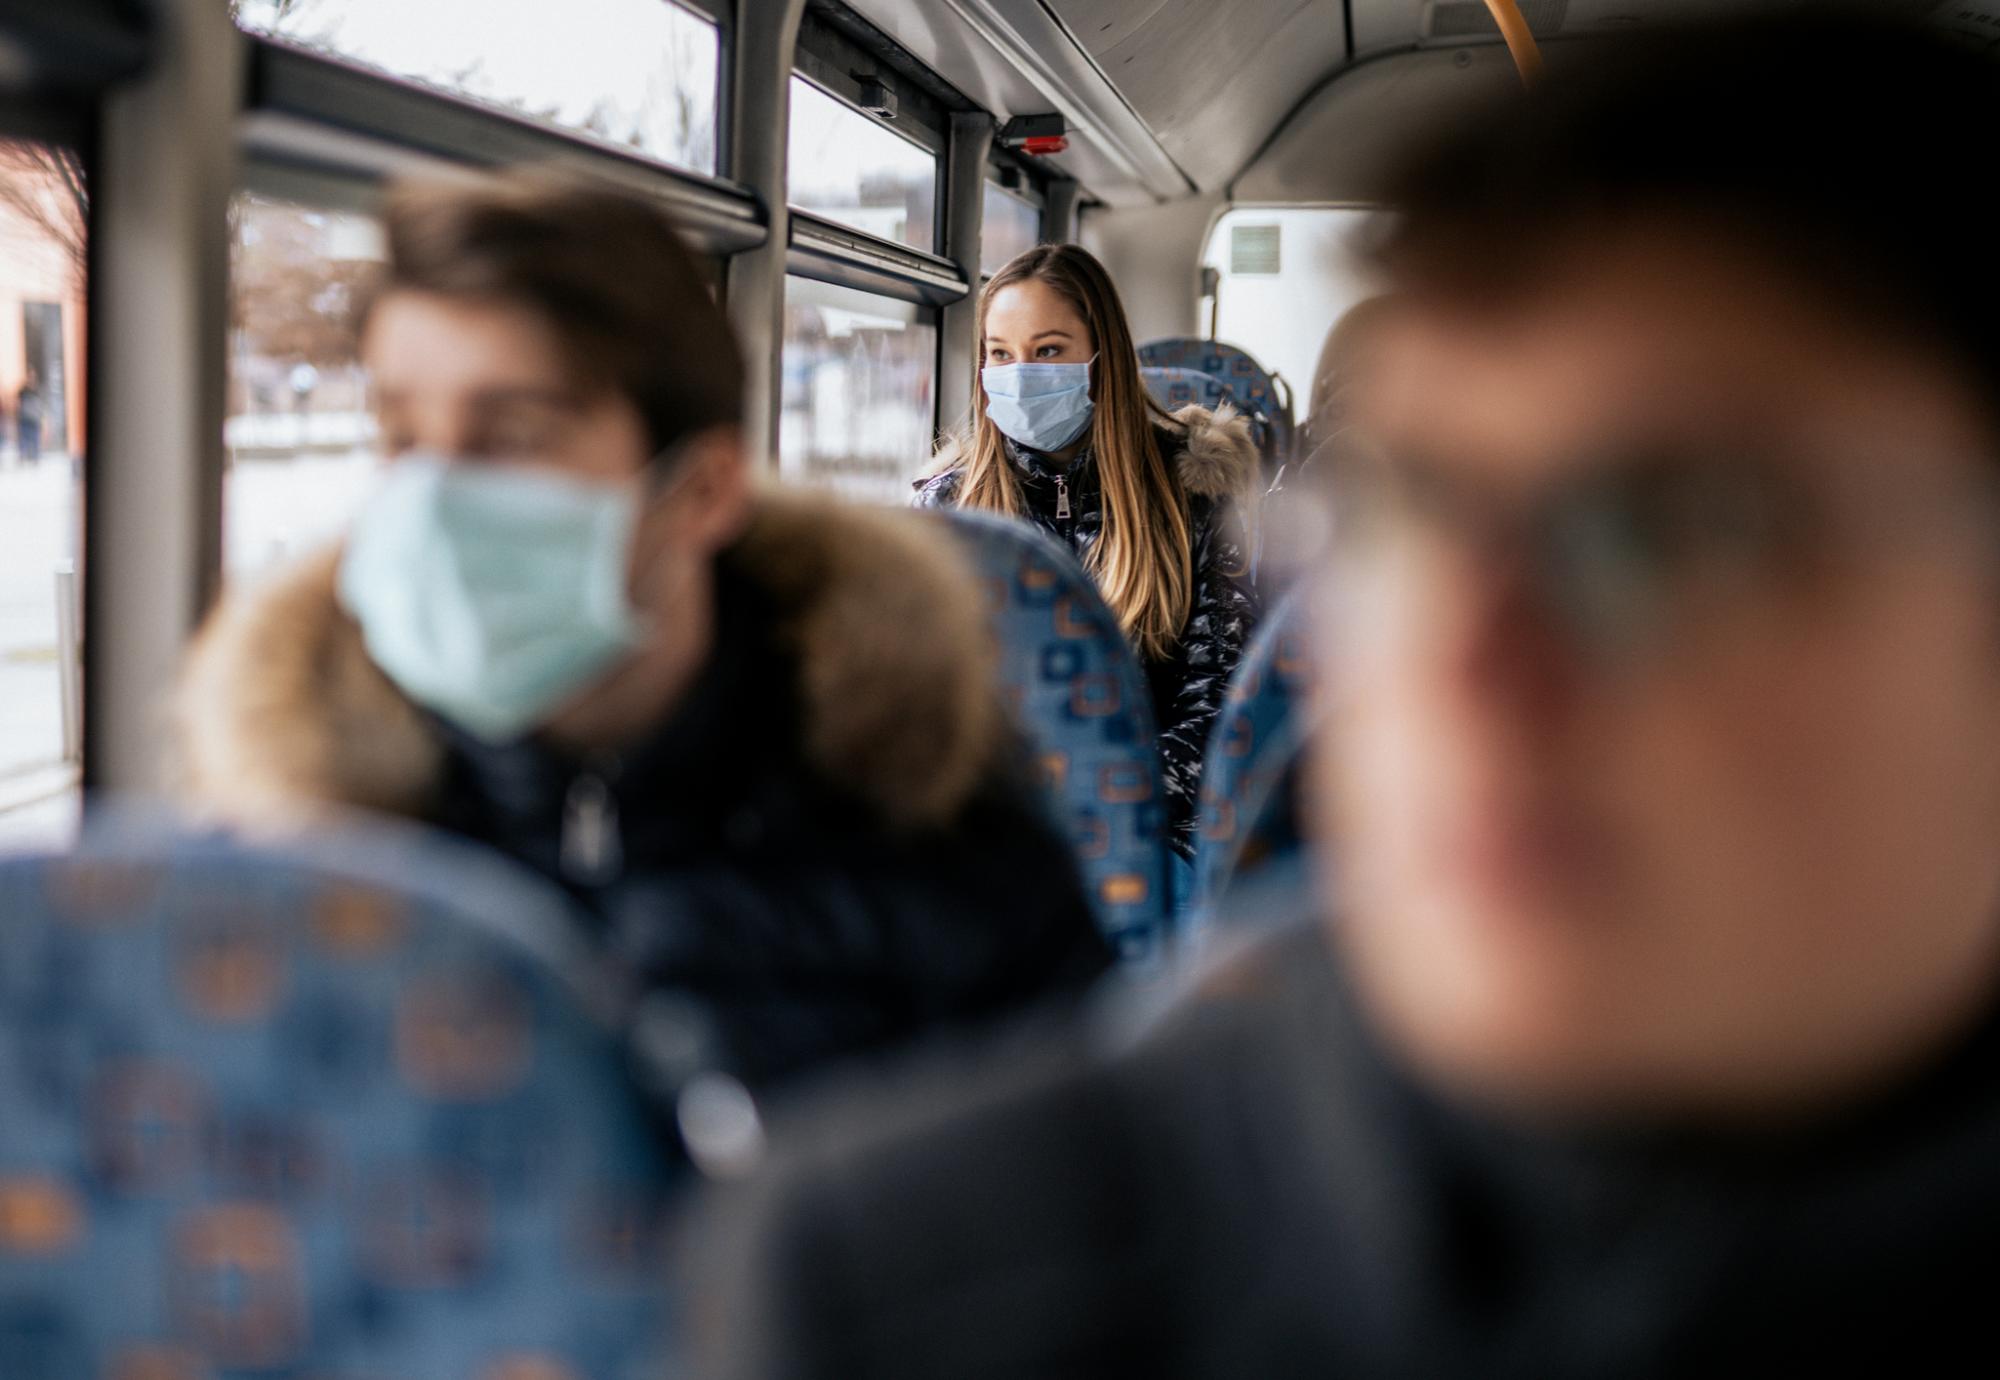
(866, 253)
(463, 142)
(333, 118)
(73, 52)
(1034, 179)
(917, 119)
(1034, 202)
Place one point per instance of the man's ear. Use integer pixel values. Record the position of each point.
(714, 496)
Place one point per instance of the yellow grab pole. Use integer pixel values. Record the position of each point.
(1520, 39)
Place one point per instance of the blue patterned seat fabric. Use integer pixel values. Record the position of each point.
(1255, 390)
(1249, 778)
(280, 1115)
(1078, 693)
(1174, 389)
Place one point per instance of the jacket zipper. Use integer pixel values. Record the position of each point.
(593, 850)
(1062, 498)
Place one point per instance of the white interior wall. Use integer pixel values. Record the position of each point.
(1154, 255)
(1283, 318)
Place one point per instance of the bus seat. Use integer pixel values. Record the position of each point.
(320, 1112)
(1081, 698)
(1249, 778)
(1256, 390)
(1174, 389)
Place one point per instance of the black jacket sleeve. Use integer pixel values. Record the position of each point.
(1224, 614)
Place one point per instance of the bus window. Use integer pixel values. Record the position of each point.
(44, 212)
(1009, 226)
(299, 430)
(1287, 275)
(860, 376)
(848, 168)
(641, 74)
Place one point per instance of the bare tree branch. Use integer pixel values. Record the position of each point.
(44, 187)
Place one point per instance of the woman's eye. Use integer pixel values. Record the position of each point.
(996, 356)
(1049, 351)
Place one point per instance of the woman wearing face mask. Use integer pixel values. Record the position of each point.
(1064, 435)
(753, 734)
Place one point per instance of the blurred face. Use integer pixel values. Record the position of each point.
(1031, 323)
(1664, 649)
(488, 384)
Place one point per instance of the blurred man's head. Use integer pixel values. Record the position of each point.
(532, 325)
(1665, 633)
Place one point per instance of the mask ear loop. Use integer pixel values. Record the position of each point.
(665, 471)
(665, 474)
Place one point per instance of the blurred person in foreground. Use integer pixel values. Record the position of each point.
(1657, 1028)
(754, 734)
(1342, 357)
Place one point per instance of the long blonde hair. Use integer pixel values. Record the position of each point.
(1142, 560)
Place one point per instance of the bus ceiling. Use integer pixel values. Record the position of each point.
(1170, 100)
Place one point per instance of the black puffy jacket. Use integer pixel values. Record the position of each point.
(830, 846)
(1252, 1183)
(1216, 460)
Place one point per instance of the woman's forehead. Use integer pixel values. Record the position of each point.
(1030, 306)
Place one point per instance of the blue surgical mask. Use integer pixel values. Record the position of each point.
(1041, 406)
(490, 594)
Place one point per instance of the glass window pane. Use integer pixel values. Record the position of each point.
(299, 431)
(639, 73)
(44, 212)
(848, 168)
(1011, 225)
(860, 376)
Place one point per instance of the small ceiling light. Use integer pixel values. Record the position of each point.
(1036, 135)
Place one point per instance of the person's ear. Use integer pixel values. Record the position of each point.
(714, 499)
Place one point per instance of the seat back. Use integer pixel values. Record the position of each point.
(1255, 390)
(1078, 693)
(1174, 389)
(293, 1114)
(1249, 777)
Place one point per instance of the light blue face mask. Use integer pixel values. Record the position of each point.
(491, 594)
(1041, 406)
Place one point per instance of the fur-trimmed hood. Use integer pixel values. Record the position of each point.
(280, 716)
(1214, 453)
(1218, 458)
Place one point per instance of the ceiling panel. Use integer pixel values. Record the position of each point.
(1337, 147)
(1211, 80)
(1014, 58)
(1384, 25)
(1163, 93)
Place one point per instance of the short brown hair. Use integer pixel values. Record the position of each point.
(604, 268)
(1814, 135)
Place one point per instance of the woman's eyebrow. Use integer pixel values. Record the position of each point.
(1039, 335)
